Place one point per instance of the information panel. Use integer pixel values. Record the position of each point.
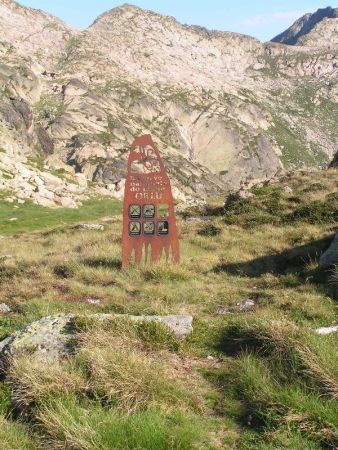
(149, 226)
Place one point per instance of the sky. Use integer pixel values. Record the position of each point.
(263, 19)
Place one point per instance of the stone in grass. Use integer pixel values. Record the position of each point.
(330, 257)
(90, 226)
(288, 190)
(327, 330)
(51, 337)
(243, 306)
(4, 309)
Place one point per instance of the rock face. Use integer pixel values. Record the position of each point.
(334, 162)
(307, 24)
(51, 337)
(330, 257)
(223, 108)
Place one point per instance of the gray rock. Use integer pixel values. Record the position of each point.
(197, 219)
(67, 202)
(327, 330)
(51, 336)
(243, 306)
(288, 190)
(241, 194)
(4, 309)
(90, 226)
(330, 257)
(244, 194)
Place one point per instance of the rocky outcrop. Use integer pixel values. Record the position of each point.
(305, 25)
(51, 337)
(223, 108)
(334, 162)
(330, 257)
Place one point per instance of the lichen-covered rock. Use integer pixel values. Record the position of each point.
(49, 338)
(90, 226)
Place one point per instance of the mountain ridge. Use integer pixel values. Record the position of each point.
(305, 25)
(224, 108)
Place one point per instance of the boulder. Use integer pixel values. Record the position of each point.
(330, 257)
(4, 309)
(243, 306)
(67, 202)
(241, 194)
(288, 190)
(327, 330)
(42, 201)
(51, 337)
(90, 226)
(51, 180)
(38, 181)
(244, 194)
(45, 193)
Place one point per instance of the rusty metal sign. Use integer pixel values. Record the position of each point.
(149, 226)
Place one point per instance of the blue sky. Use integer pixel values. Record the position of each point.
(261, 18)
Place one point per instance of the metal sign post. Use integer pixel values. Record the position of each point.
(149, 226)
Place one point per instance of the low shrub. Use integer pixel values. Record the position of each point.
(316, 212)
(209, 230)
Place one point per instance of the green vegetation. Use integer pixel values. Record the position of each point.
(313, 204)
(290, 115)
(107, 135)
(37, 161)
(259, 379)
(49, 108)
(285, 380)
(70, 48)
(30, 217)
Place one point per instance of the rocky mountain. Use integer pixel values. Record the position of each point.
(308, 27)
(224, 108)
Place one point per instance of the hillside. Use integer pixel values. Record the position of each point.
(253, 374)
(223, 108)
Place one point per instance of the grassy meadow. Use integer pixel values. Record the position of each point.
(260, 379)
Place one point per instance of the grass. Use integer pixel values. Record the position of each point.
(261, 379)
(30, 217)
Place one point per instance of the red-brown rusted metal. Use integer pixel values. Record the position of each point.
(147, 234)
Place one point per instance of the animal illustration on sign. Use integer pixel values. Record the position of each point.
(149, 226)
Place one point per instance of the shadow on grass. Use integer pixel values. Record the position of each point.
(109, 263)
(293, 261)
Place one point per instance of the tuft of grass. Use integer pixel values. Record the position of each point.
(32, 382)
(209, 229)
(126, 376)
(15, 435)
(283, 375)
(166, 272)
(90, 427)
